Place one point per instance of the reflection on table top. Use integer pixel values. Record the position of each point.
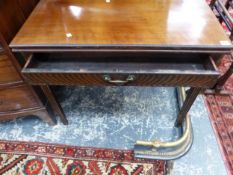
(156, 23)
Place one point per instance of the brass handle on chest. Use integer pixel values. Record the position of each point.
(130, 78)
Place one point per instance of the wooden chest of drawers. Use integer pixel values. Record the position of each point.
(17, 98)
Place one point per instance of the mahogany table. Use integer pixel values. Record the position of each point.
(122, 43)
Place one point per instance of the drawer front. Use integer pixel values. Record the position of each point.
(8, 72)
(16, 98)
(125, 70)
(121, 79)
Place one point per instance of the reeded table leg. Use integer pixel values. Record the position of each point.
(54, 103)
(190, 98)
(222, 80)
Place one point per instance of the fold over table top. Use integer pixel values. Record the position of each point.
(154, 24)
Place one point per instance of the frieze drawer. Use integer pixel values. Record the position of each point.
(141, 69)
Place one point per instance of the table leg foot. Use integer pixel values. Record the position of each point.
(169, 167)
(54, 103)
(190, 98)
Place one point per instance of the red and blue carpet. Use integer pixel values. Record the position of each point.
(221, 117)
(31, 158)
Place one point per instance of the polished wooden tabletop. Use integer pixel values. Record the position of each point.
(122, 23)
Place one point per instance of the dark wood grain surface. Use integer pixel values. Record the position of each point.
(175, 24)
(10, 23)
(30, 4)
(16, 98)
(8, 73)
(1, 50)
(13, 14)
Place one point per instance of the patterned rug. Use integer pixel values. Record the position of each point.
(31, 158)
(221, 117)
(221, 113)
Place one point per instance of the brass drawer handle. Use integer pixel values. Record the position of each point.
(130, 78)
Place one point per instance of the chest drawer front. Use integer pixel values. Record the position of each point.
(185, 70)
(8, 72)
(16, 98)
